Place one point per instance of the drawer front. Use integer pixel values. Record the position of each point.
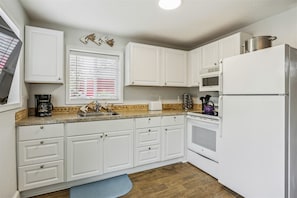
(34, 176)
(39, 151)
(148, 122)
(40, 131)
(147, 136)
(147, 154)
(173, 120)
(87, 128)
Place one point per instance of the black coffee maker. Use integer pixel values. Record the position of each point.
(43, 105)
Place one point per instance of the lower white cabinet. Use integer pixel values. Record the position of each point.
(84, 156)
(96, 149)
(39, 175)
(118, 150)
(172, 137)
(40, 155)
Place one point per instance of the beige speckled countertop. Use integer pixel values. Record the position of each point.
(68, 118)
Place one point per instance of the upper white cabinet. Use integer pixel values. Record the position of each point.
(210, 55)
(44, 55)
(229, 46)
(194, 65)
(142, 65)
(175, 66)
(148, 65)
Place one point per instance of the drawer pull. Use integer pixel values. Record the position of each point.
(42, 166)
(41, 142)
(41, 127)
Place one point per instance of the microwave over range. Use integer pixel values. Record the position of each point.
(210, 81)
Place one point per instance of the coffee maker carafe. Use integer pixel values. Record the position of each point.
(43, 105)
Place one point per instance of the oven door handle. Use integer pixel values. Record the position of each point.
(206, 120)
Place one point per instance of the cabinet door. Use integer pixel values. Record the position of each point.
(210, 56)
(143, 65)
(118, 150)
(175, 63)
(44, 55)
(147, 154)
(173, 141)
(84, 156)
(194, 65)
(39, 175)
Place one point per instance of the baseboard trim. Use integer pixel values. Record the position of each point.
(16, 195)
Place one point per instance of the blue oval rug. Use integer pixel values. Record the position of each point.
(108, 188)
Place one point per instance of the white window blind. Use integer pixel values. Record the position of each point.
(7, 45)
(94, 76)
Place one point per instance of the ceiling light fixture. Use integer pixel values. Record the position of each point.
(169, 4)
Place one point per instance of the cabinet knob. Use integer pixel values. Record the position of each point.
(149, 148)
(41, 142)
(105, 135)
(101, 136)
(149, 119)
(149, 130)
(133, 83)
(42, 166)
(165, 83)
(215, 63)
(166, 129)
(59, 78)
(41, 127)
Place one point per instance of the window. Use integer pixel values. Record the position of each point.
(94, 75)
(10, 47)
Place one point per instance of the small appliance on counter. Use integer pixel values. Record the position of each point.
(43, 105)
(187, 101)
(208, 106)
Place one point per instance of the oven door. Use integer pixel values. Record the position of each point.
(203, 136)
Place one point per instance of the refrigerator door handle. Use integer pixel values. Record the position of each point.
(220, 114)
(221, 75)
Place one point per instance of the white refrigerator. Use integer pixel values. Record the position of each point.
(257, 148)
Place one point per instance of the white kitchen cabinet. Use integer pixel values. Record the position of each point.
(98, 147)
(229, 46)
(44, 52)
(148, 65)
(210, 56)
(118, 150)
(40, 155)
(172, 137)
(147, 140)
(84, 156)
(194, 65)
(175, 67)
(143, 65)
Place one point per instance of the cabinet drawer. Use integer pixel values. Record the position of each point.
(148, 122)
(34, 176)
(173, 120)
(147, 136)
(38, 151)
(147, 154)
(40, 131)
(84, 128)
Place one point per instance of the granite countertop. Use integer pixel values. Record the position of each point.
(68, 118)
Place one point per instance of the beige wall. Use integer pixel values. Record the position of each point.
(8, 180)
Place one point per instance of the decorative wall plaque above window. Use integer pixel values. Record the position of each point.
(92, 37)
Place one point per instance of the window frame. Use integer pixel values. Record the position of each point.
(98, 51)
(15, 94)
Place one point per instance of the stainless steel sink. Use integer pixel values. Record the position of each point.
(88, 114)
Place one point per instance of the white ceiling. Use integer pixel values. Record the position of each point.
(195, 22)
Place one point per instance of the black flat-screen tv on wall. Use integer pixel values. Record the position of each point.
(10, 47)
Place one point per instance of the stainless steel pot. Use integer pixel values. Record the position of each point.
(258, 42)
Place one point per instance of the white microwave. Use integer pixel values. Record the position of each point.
(210, 81)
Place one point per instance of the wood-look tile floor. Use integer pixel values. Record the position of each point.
(177, 180)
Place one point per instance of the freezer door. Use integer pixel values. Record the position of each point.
(251, 146)
(259, 72)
